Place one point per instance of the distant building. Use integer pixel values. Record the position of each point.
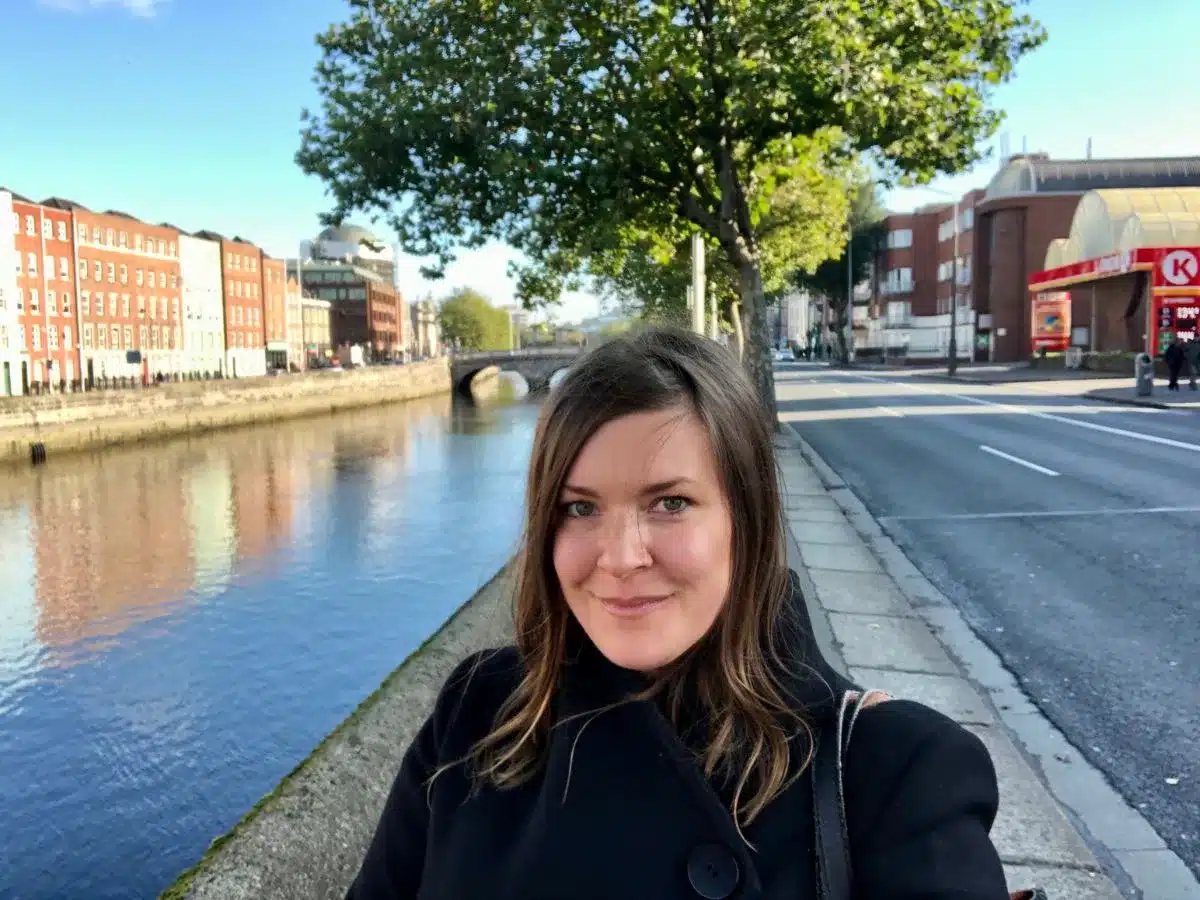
(242, 283)
(14, 361)
(203, 306)
(275, 324)
(354, 244)
(297, 356)
(316, 328)
(426, 330)
(129, 295)
(365, 309)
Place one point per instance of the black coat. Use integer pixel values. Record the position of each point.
(639, 820)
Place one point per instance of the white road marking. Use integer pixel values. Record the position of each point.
(1044, 514)
(1017, 410)
(1016, 459)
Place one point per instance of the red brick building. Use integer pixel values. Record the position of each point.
(242, 283)
(46, 294)
(129, 295)
(365, 309)
(1030, 203)
(275, 312)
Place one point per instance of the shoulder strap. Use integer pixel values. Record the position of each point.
(834, 872)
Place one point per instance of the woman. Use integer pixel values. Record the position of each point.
(646, 737)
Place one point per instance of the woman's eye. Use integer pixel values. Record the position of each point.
(578, 509)
(673, 504)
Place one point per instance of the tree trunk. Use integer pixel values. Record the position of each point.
(739, 334)
(756, 357)
(843, 348)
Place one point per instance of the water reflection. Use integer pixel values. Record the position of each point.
(180, 624)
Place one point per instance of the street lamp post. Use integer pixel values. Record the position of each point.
(952, 364)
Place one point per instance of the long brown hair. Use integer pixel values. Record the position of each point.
(734, 675)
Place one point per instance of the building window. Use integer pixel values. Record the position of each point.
(123, 240)
(108, 236)
(137, 243)
(162, 248)
(95, 234)
(62, 231)
(37, 338)
(47, 229)
(162, 279)
(21, 337)
(125, 306)
(52, 337)
(968, 219)
(29, 229)
(124, 274)
(52, 302)
(115, 334)
(129, 338)
(172, 250)
(66, 303)
(900, 239)
(143, 340)
(139, 277)
(98, 271)
(85, 303)
(31, 264)
(112, 305)
(35, 302)
(81, 234)
(64, 268)
(20, 301)
(66, 337)
(142, 307)
(49, 267)
(88, 336)
(83, 270)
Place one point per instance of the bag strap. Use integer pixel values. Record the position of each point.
(834, 872)
(835, 877)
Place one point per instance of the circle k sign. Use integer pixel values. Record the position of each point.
(1180, 267)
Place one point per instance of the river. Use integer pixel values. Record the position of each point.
(180, 624)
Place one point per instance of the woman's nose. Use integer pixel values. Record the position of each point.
(623, 547)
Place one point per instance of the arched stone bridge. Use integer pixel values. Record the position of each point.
(534, 365)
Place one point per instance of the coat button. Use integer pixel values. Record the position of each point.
(713, 872)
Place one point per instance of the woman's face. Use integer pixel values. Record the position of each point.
(643, 551)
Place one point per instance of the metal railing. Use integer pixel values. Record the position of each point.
(518, 354)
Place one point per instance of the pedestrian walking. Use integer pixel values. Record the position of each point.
(1174, 357)
(665, 726)
(1191, 351)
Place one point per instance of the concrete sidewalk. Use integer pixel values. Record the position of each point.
(884, 624)
(1183, 399)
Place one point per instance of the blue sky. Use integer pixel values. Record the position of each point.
(188, 110)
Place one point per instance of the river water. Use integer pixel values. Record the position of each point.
(181, 624)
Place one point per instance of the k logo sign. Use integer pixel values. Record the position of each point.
(1180, 267)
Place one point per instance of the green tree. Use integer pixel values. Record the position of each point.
(830, 280)
(554, 126)
(470, 320)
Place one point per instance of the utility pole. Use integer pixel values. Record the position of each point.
(850, 297)
(952, 365)
(699, 295)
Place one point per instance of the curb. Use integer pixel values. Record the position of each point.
(1126, 866)
(1121, 401)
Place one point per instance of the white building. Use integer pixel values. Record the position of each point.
(203, 305)
(12, 345)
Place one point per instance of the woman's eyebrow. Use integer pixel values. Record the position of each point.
(657, 488)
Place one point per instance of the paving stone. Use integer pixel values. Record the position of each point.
(1159, 873)
(859, 592)
(947, 694)
(852, 558)
(886, 642)
(1030, 829)
(1063, 884)
(826, 533)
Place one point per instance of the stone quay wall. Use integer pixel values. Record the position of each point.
(35, 429)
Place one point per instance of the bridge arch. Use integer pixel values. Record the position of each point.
(536, 366)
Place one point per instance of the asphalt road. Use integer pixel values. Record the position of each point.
(1067, 531)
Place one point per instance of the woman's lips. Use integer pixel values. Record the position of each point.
(633, 606)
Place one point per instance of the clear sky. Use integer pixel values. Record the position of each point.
(187, 111)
